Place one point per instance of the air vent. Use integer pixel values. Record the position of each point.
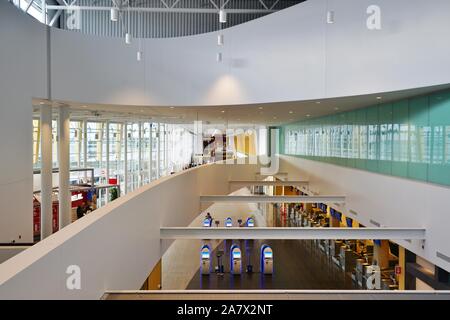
(442, 256)
(375, 223)
(353, 212)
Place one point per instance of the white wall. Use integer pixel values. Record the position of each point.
(23, 70)
(289, 55)
(116, 246)
(390, 201)
(286, 56)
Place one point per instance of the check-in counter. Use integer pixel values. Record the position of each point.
(335, 251)
(347, 259)
(324, 246)
(361, 265)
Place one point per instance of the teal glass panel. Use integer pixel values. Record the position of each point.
(373, 142)
(361, 118)
(419, 138)
(439, 112)
(408, 138)
(352, 139)
(400, 138)
(385, 121)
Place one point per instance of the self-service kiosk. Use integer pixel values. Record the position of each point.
(205, 259)
(228, 222)
(250, 222)
(266, 259)
(235, 260)
(207, 222)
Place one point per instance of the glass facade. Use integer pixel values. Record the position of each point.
(152, 150)
(408, 138)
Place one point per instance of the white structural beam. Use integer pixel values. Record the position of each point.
(65, 217)
(293, 233)
(248, 183)
(160, 9)
(281, 174)
(272, 199)
(46, 172)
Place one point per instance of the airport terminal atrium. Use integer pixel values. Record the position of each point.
(225, 150)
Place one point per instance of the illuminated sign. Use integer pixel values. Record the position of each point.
(76, 197)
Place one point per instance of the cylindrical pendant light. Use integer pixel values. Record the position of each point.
(219, 57)
(128, 34)
(114, 14)
(127, 38)
(220, 40)
(139, 56)
(222, 16)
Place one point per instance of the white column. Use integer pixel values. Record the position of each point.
(140, 154)
(151, 149)
(65, 216)
(107, 152)
(125, 165)
(85, 148)
(167, 149)
(85, 143)
(107, 162)
(46, 171)
(158, 136)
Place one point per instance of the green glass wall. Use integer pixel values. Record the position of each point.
(408, 138)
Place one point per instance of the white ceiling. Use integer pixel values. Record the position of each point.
(262, 114)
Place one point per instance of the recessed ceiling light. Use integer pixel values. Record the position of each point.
(318, 102)
(172, 107)
(291, 112)
(308, 115)
(260, 108)
(274, 117)
(84, 106)
(41, 103)
(223, 111)
(379, 98)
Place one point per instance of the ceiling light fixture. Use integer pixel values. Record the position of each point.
(379, 98)
(220, 40)
(291, 112)
(114, 14)
(317, 102)
(223, 111)
(308, 115)
(127, 38)
(128, 34)
(330, 17)
(222, 16)
(219, 57)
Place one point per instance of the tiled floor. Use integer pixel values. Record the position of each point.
(298, 264)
